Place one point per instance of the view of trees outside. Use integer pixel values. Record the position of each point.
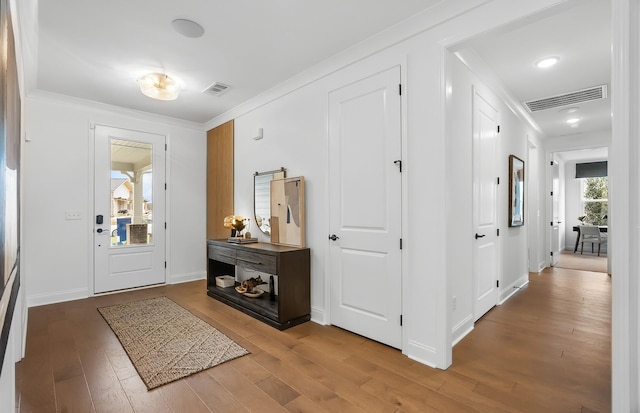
(596, 200)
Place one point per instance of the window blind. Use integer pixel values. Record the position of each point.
(591, 169)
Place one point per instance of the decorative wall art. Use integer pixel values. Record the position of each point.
(516, 191)
(9, 177)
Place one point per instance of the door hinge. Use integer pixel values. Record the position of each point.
(498, 128)
(497, 283)
(165, 186)
(165, 264)
(498, 180)
(400, 89)
(551, 223)
(400, 320)
(398, 163)
(551, 163)
(551, 253)
(400, 243)
(165, 225)
(551, 193)
(165, 146)
(498, 232)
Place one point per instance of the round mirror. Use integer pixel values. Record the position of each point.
(262, 198)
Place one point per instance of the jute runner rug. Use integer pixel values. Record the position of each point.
(165, 342)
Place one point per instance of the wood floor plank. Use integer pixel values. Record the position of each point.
(305, 385)
(181, 398)
(303, 404)
(547, 349)
(73, 396)
(142, 400)
(213, 394)
(249, 395)
(105, 388)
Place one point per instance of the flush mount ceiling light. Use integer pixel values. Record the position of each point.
(187, 28)
(572, 121)
(547, 62)
(159, 86)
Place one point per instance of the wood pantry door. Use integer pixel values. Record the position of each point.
(365, 207)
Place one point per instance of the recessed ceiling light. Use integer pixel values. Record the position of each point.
(547, 62)
(572, 109)
(572, 121)
(187, 28)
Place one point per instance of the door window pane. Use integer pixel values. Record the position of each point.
(131, 193)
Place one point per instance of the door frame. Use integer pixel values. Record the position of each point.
(91, 202)
(372, 65)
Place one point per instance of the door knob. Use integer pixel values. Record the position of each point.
(480, 236)
(333, 237)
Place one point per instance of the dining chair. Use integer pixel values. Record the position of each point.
(592, 234)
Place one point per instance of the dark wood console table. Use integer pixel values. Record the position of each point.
(292, 303)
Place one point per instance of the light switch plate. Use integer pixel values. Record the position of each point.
(70, 215)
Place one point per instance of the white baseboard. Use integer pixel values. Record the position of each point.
(183, 278)
(422, 354)
(513, 288)
(461, 330)
(317, 316)
(57, 297)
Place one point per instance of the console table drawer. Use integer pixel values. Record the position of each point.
(257, 261)
(227, 255)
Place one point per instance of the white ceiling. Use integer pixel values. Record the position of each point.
(579, 33)
(96, 50)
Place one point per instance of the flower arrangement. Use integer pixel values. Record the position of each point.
(236, 223)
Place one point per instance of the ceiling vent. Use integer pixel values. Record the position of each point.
(585, 95)
(217, 89)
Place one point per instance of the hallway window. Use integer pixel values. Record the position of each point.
(595, 200)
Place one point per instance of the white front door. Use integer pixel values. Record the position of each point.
(555, 213)
(129, 203)
(485, 206)
(365, 207)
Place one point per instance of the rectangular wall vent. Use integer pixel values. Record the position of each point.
(217, 89)
(585, 95)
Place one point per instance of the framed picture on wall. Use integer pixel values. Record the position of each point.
(516, 191)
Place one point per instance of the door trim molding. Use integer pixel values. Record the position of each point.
(91, 128)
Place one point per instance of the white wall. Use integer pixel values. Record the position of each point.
(294, 117)
(535, 203)
(513, 242)
(57, 176)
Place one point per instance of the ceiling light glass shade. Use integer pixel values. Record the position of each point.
(547, 62)
(159, 86)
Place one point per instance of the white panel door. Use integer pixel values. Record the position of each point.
(555, 213)
(129, 219)
(485, 205)
(365, 202)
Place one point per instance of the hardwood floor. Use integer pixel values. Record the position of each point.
(547, 349)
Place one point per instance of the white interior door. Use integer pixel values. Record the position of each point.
(555, 213)
(485, 205)
(365, 207)
(129, 219)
